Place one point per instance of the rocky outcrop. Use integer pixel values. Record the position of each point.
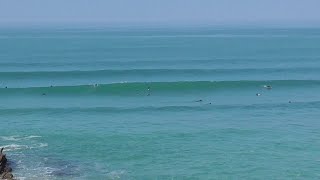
(5, 170)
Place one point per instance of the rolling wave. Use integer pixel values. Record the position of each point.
(176, 108)
(148, 72)
(135, 88)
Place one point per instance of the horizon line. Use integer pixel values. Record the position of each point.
(151, 25)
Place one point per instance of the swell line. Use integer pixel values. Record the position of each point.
(173, 108)
(159, 87)
(146, 72)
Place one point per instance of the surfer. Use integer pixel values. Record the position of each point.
(267, 87)
(200, 100)
(148, 91)
(258, 94)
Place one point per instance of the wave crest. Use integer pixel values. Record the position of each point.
(140, 88)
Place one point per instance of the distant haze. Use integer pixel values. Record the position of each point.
(165, 12)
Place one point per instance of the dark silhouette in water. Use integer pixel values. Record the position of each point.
(258, 94)
(43, 94)
(200, 100)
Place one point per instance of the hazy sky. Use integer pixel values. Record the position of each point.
(188, 12)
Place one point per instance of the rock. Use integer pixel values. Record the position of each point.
(8, 169)
(5, 170)
(7, 175)
(3, 162)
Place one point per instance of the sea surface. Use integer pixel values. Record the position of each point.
(160, 103)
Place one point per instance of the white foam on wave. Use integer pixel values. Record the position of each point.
(20, 178)
(31, 137)
(33, 171)
(15, 147)
(19, 146)
(18, 138)
(9, 138)
(39, 145)
(107, 173)
(116, 174)
(43, 145)
(48, 170)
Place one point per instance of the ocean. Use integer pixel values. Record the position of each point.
(160, 103)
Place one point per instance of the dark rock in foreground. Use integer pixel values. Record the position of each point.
(5, 170)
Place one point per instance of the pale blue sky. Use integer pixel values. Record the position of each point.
(186, 12)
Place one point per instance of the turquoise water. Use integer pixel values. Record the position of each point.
(75, 103)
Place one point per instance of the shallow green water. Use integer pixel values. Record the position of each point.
(125, 104)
